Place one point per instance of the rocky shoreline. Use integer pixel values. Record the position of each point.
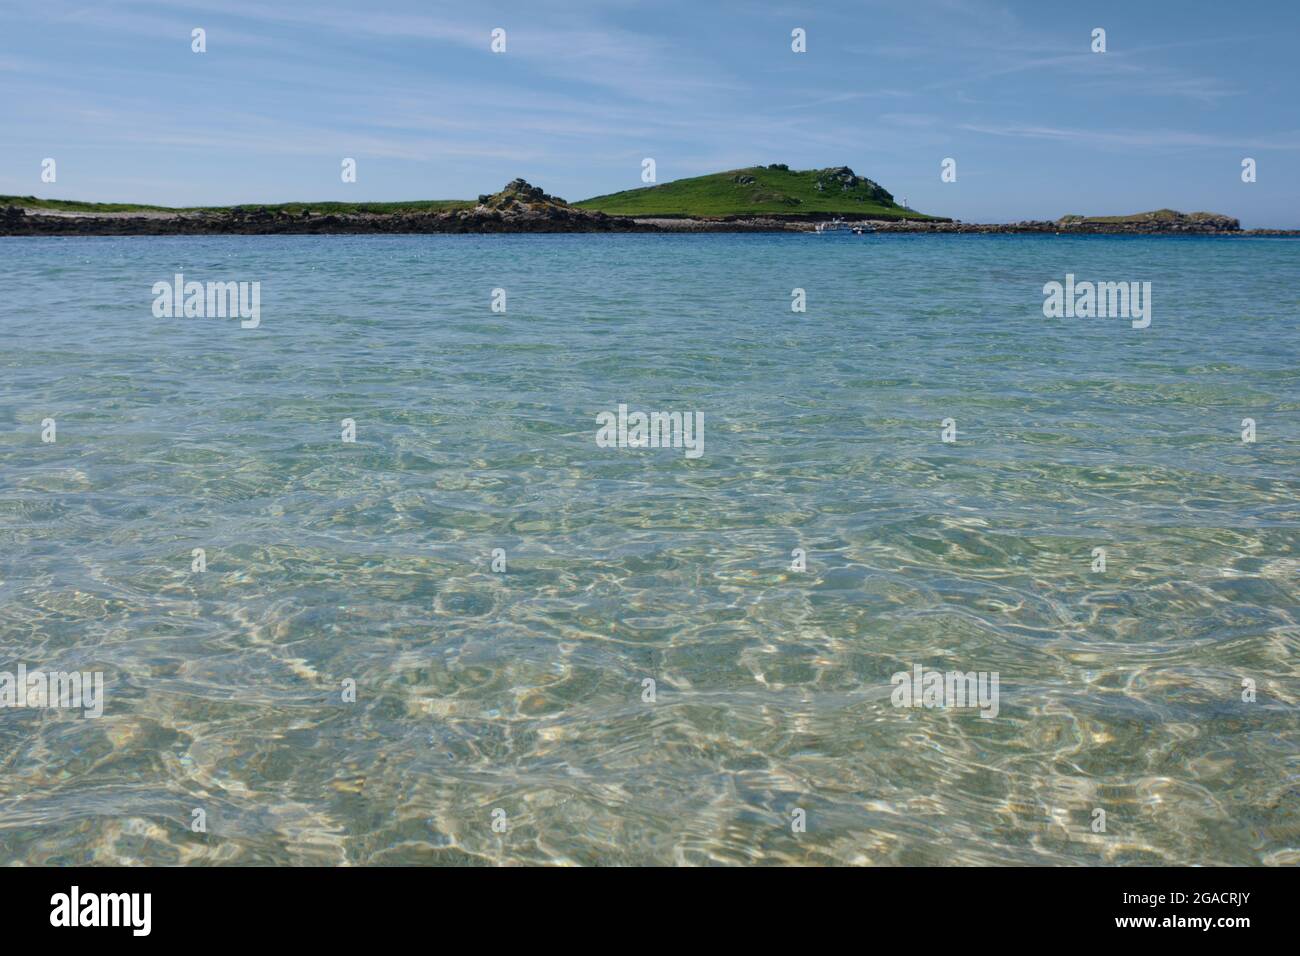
(523, 208)
(1170, 224)
(519, 208)
(1166, 223)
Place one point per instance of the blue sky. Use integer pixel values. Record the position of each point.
(1039, 125)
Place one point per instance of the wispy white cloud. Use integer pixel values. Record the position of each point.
(574, 45)
(1142, 139)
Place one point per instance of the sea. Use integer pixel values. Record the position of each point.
(395, 572)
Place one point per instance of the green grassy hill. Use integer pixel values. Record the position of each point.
(773, 190)
(293, 208)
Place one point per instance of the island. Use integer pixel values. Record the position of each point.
(771, 198)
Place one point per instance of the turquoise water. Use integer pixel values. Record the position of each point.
(522, 691)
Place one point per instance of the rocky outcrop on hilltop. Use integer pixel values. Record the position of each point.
(523, 207)
(520, 195)
(842, 179)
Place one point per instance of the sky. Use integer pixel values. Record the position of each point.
(1039, 125)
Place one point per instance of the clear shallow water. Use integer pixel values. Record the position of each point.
(371, 561)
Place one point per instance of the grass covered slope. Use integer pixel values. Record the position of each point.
(292, 208)
(70, 205)
(773, 190)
